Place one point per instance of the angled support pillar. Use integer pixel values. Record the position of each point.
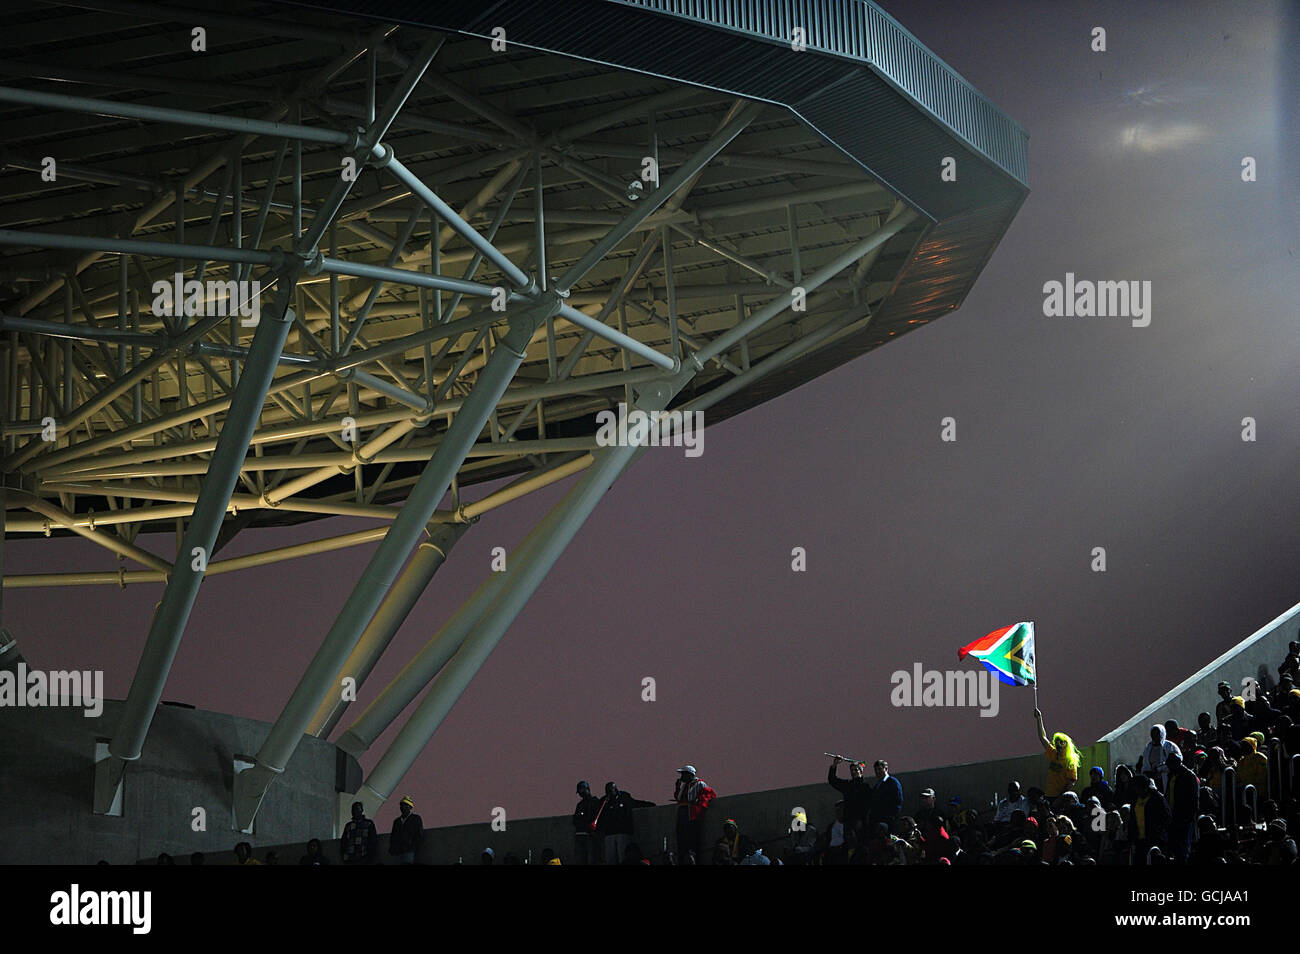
(392, 613)
(521, 581)
(252, 783)
(421, 670)
(196, 545)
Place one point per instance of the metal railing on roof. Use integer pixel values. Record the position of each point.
(860, 30)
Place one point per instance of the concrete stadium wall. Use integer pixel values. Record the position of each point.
(47, 778)
(765, 816)
(1256, 656)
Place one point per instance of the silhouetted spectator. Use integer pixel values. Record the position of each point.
(886, 797)
(693, 797)
(1223, 708)
(314, 855)
(935, 840)
(926, 808)
(803, 840)
(615, 821)
(1184, 807)
(196, 858)
(856, 791)
(586, 847)
(1185, 739)
(830, 846)
(487, 857)
(1290, 664)
(1252, 768)
(1012, 803)
(271, 858)
(360, 840)
(244, 854)
(1098, 788)
(1151, 814)
(166, 859)
(727, 849)
(408, 832)
(1206, 734)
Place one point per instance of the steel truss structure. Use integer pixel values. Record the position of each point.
(466, 247)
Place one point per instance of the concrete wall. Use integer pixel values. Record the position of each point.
(47, 777)
(1256, 656)
(764, 816)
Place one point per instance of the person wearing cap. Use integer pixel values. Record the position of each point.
(408, 832)
(926, 809)
(1099, 788)
(960, 817)
(727, 849)
(692, 796)
(586, 839)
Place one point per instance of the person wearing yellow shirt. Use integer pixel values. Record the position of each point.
(1252, 768)
(1062, 759)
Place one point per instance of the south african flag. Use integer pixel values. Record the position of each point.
(1008, 652)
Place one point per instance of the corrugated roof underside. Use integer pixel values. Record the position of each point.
(938, 276)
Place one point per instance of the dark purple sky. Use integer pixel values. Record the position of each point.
(1072, 434)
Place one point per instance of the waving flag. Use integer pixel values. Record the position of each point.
(1008, 652)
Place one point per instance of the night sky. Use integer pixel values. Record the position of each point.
(1072, 433)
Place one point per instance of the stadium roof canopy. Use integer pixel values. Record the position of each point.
(454, 233)
(841, 163)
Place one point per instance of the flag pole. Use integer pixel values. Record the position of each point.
(1035, 669)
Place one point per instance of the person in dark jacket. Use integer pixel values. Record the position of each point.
(615, 821)
(856, 792)
(408, 832)
(1184, 807)
(360, 842)
(1151, 816)
(586, 840)
(886, 797)
(1290, 664)
(314, 856)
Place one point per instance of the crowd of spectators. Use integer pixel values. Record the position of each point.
(1225, 792)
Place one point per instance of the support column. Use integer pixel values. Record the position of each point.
(316, 682)
(521, 581)
(196, 546)
(392, 613)
(421, 670)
